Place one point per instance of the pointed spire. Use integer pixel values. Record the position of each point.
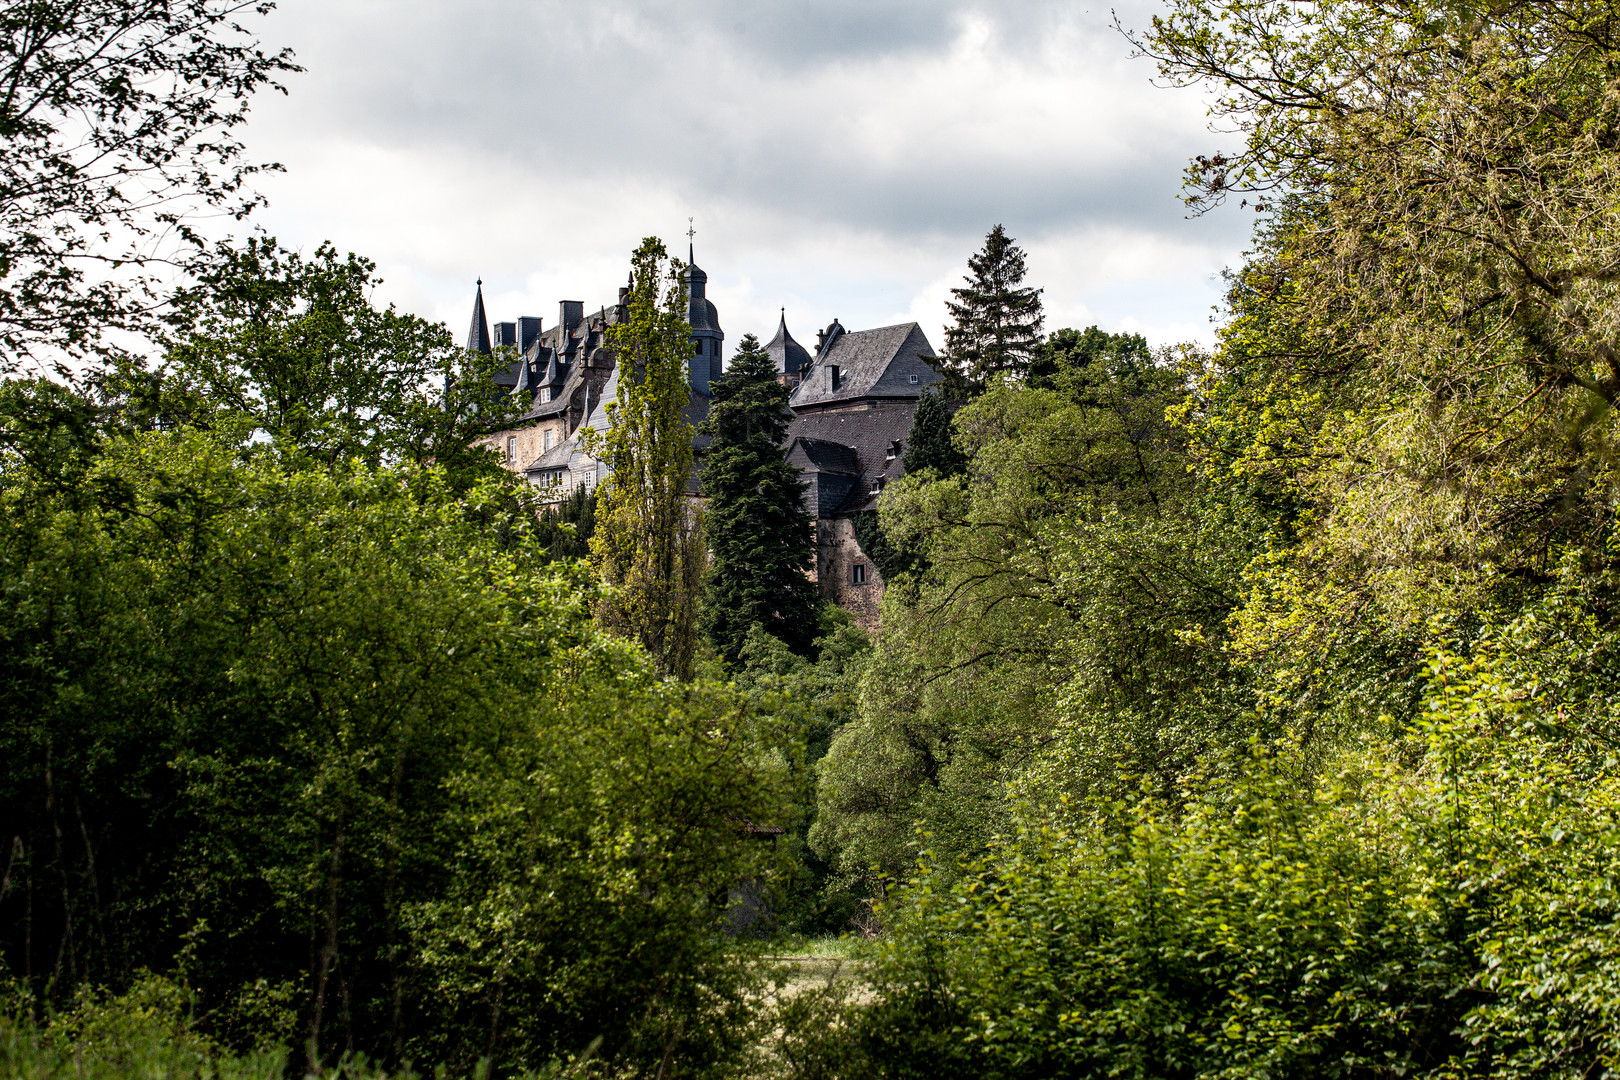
(478, 333)
(790, 357)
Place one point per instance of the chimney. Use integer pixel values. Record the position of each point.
(569, 314)
(505, 334)
(528, 329)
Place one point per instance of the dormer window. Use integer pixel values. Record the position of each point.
(915, 379)
(545, 393)
(877, 486)
(832, 376)
(893, 451)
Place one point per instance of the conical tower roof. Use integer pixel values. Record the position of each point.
(478, 333)
(788, 355)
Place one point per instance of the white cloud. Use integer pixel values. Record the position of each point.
(842, 158)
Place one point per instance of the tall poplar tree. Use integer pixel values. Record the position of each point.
(996, 321)
(648, 542)
(759, 529)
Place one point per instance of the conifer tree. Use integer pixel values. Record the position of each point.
(759, 529)
(996, 323)
(648, 542)
(928, 445)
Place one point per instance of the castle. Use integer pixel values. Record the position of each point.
(852, 402)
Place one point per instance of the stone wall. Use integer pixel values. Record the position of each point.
(837, 555)
(530, 442)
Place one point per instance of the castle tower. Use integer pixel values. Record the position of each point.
(708, 340)
(790, 358)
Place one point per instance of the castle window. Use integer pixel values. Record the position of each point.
(857, 574)
(916, 379)
(697, 348)
(546, 440)
(511, 448)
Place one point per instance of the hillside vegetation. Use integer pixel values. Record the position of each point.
(1237, 713)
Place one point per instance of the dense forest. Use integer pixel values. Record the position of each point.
(1236, 712)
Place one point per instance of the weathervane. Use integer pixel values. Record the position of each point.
(690, 231)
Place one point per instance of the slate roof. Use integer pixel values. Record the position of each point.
(862, 438)
(478, 333)
(700, 310)
(828, 456)
(870, 364)
(788, 355)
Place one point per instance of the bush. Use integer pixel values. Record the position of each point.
(369, 768)
(1456, 919)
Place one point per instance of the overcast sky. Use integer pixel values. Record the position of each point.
(840, 157)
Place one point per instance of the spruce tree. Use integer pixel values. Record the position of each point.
(928, 444)
(760, 532)
(996, 323)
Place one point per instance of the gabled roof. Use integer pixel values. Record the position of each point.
(478, 333)
(863, 438)
(870, 364)
(788, 355)
(823, 455)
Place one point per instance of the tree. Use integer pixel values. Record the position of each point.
(1062, 637)
(1425, 345)
(759, 530)
(930, 450)
(375, 775)
(648, 543)
(929, 444)
(117, 119)
(996, 324)
(1067, 352)
(565, 530)
(296, 347)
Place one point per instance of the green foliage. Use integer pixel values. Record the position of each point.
(995, 320)
(648, 543)
(117, 126)
(565, 530)
(296, 347)
(929, 447)
(1421, 348)
(760, 534)
(357, 758)
(1449, 919)
(812, 700)
(1064, 636)
(1067, 353)
(929, 444)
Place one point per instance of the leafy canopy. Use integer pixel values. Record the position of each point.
(118, 124)
(648, 543)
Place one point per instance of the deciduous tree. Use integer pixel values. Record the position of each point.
(649, 535)
(118, 123)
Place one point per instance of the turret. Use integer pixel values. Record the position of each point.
(708, 340)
